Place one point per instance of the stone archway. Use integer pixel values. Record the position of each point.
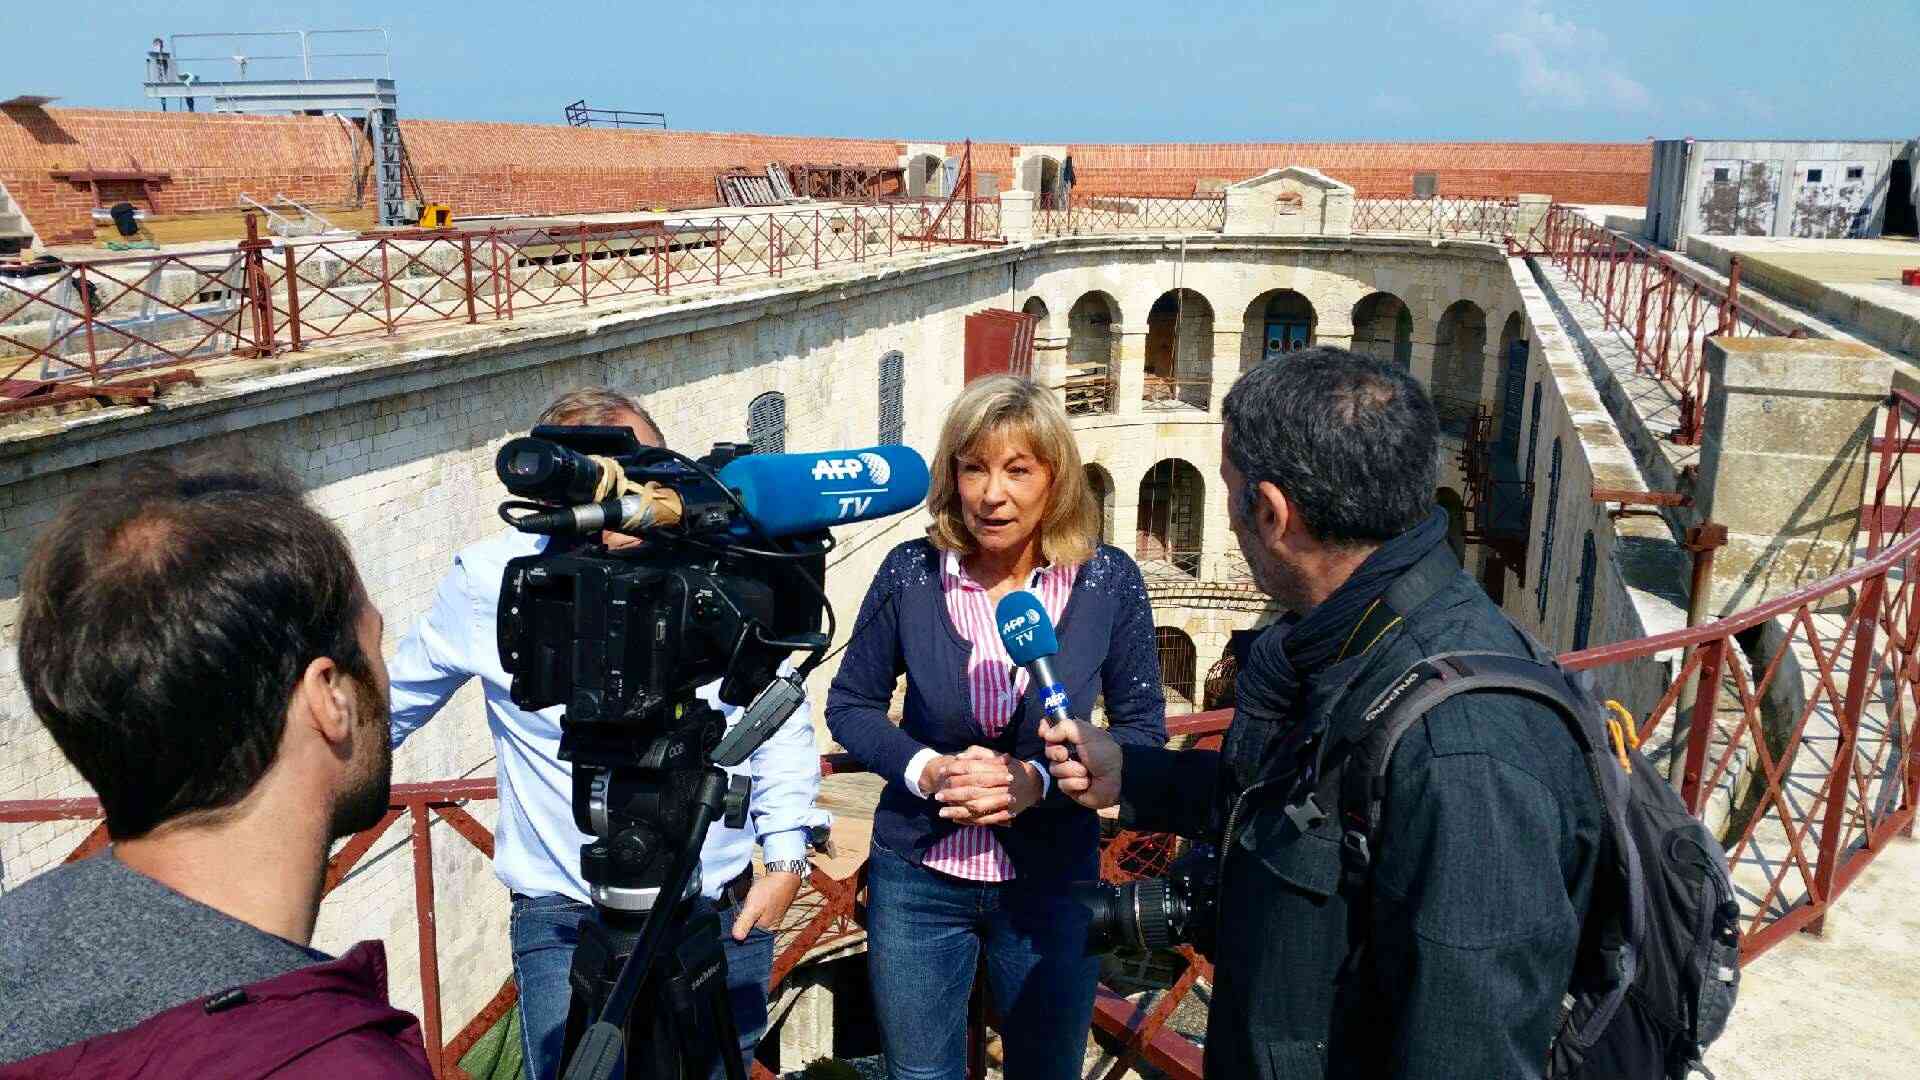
(1383, 329)
(1168, 529)
(1179, 664)
(929, 171)
(1100, 486)
(1277, 322)
(1179, 351)
(1459, 364)
(1093, 371)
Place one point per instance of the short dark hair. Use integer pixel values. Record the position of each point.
(1350, 440)
(166, 618)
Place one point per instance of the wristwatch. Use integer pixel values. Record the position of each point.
(789, 866)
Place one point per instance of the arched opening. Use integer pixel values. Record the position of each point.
(1459, 363)
(1179, 665)
(1052, 195)
(1383, 329)
(1100, 484)
(1513, 382)
(1091, 345)
(767, 423)
(1168, 527)
(1456, 509)
(1037, 308)
(1278, 322)
(929, 174)
(1179, 350)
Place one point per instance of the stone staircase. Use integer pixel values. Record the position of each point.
(15, 234)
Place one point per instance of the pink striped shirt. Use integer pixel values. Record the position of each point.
(996, 688)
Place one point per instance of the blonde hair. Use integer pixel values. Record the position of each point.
(596, 405)
(1008, 406)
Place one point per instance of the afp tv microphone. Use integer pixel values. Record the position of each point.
(1028, 635)
(601, 480)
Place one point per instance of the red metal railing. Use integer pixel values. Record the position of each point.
(1669, 310)
(1100, 214)
(830, 906)
(81, 328)
(1485, 217)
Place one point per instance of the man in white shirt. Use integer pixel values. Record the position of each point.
(537, 845)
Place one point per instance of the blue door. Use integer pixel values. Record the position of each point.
(1284, 336)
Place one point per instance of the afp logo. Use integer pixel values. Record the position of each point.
(1020, 622)
(837, 468)
(1056, 699)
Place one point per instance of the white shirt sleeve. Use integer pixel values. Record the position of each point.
(916, 765)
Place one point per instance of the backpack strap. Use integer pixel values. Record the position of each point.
(1362, 773)
(1419, 691)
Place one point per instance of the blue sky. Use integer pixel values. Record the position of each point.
(1079, 70)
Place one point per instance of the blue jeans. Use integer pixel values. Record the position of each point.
(545, 930)
(925, 931)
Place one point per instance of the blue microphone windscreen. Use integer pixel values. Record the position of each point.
(1024, 627)
(789, 494)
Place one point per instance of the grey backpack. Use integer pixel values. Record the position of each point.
(1659, 960)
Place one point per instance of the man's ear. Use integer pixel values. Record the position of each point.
(1272, 511)
(325, 699)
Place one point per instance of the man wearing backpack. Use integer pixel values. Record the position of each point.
(1441, 941)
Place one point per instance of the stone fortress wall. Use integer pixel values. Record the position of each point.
(396, 443)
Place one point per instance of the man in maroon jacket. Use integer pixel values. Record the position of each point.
(201, 648)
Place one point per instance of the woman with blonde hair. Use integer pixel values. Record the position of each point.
(972, 848)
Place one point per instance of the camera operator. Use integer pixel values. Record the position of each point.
(203, 651)
(538, 845)
(1447, 951)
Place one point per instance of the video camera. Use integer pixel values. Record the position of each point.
(727, 584)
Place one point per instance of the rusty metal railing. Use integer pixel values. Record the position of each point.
(1106, 214)
(1483, 217)
(1670, 310)
(101, 328)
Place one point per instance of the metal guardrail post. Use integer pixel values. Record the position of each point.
(293, 298)
(466, 262)
(429, 937)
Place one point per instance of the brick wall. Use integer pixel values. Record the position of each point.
(494, 168)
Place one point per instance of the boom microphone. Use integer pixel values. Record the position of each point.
(1028, 634)
(790, 494)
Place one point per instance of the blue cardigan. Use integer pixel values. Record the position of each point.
(1106, 647)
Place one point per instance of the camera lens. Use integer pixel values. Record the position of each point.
(1135, 917)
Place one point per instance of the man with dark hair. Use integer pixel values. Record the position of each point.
(1445, 945)
(537, 855)
(202, 650)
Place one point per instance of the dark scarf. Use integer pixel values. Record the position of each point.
(1276, 664)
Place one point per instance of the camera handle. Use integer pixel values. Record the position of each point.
(618, 961)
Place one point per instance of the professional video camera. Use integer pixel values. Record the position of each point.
(727, 585)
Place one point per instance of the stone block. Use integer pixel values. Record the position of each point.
(1785, 462)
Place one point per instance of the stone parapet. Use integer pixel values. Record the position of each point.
(1785, 460)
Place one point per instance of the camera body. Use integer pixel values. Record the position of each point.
(624, 637)
(1156, 914)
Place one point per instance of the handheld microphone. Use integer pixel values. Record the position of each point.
(791, 494)
(1028, 634)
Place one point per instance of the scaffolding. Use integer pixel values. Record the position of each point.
(295, 72)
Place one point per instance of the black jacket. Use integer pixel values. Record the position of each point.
(1481, 874)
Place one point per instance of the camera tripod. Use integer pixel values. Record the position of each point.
(649, 975)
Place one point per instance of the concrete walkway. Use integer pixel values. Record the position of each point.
(1843, 1006)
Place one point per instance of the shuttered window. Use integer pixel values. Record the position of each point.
(1546, 534)
(1583, 615)
(767, 423)
(893, 391)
